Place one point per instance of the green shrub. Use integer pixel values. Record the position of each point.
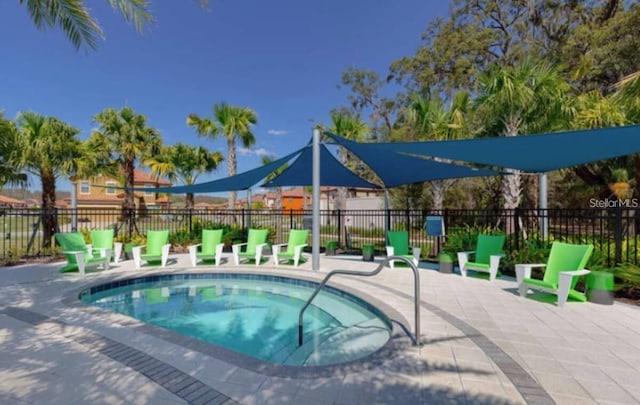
(627, 276)
(461, 239)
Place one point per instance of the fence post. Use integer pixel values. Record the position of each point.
(516, 227)
(339, 221)
(242, 216)
(617, 234)
(407, 219)
(387, 224)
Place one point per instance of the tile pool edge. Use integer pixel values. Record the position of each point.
(398, 342)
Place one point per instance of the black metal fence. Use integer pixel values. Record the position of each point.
(612, 231)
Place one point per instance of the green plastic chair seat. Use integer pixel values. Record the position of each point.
(477, 266)
(541, 283)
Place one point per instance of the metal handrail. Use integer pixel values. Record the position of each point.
(416, 277)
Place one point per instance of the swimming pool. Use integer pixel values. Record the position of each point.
(253, 314)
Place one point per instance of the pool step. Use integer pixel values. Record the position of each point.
(340, 344)
(284, 353)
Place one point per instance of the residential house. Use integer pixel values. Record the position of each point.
(357, 198)
(100, 192)
(32, 203)
(8, 202)
(292, 199)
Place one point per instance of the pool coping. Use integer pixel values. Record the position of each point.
(399, 342)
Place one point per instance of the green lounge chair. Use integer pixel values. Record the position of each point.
(297, 242)
(210, 248)
(565, 264)
(156, 249)
(102, 242)
(256, 241)
(78, 253)
(487, 256)
(399, 246)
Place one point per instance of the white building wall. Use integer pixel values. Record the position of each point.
(365, 203)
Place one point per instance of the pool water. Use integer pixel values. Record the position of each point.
(251, 314)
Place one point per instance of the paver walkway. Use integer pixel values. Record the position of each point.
(482, 343)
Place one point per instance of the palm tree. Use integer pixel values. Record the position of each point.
(46, 148)
(234, 123)
(122, 140)
(77, 23)
(429, 120)
(347, 125)
(530, 97)
(184, 163)
(628, 94)
(9, 174)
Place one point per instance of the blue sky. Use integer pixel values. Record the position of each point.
(282, 58)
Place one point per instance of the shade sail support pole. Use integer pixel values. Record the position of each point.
(249, 208)
(315, 202)
(544, 218)
(387, 219)
(74, 205)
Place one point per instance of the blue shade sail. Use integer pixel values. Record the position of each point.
(242, 181)
(395, 169)
(531, 153)
(332, 172)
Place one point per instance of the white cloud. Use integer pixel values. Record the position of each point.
(257, 152)
(277, 132)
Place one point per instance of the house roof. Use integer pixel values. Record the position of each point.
(142, 177)
(9, 200)
(294, 192)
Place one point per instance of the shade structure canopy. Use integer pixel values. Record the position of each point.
(242, 181)
(332, 172)
(530, 153)
(395, 169)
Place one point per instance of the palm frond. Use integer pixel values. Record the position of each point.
(134, 10)
(71, 16)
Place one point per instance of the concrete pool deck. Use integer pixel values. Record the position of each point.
(482, 344)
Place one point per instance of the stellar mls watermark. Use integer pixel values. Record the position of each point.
(614, 203)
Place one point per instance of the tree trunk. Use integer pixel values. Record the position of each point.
(128, 205)
(279, 198)
(511, 184)
(278, 207)
(304, 198)
(437, 194)
(636, 194)
(341, 195)
(231, 146)
(48, 181)
(190, 201)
